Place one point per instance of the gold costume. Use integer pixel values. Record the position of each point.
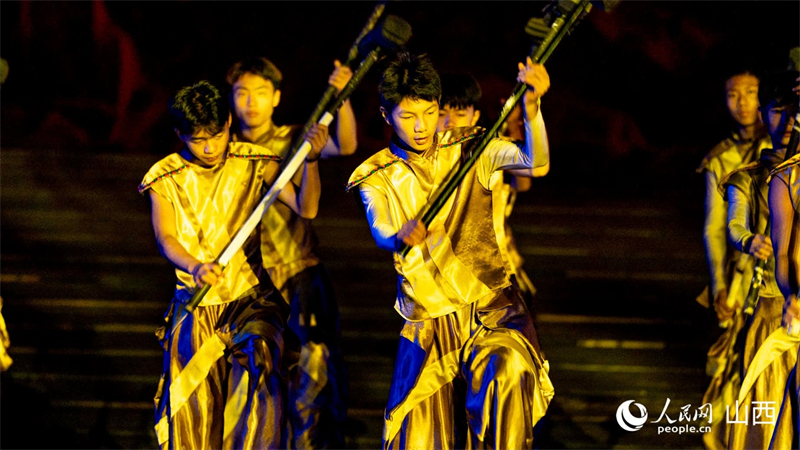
(504, 197)
(787, 173)
(724, 158)
(5, 342)
(747, 195)
(726, 267)
(469, 370)
(318, 385)
(221, 386)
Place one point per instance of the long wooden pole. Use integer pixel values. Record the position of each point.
(560, 27)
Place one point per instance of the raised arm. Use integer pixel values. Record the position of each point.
(163, 217)
(303, 193)
(345, 142)
(537, 147)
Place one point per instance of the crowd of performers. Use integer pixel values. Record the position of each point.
(258, 364)
(751, 240)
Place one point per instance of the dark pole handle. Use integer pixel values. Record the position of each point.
(560, 28)
(362, 70)
(197, 297)
(352, 54)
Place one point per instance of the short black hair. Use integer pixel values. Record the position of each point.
(460, 90)
(409, 76)
(742, 70)
(257, 66)
(777, 87)
(199, 107)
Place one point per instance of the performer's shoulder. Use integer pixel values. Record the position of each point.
(372, 165)
(740, 177)
(167, 167)
(286, 131)
(249, 151)
(459, 135)
(717, 151)
(790, 164)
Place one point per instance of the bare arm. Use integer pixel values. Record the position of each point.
(346, 142)
(163, 217)
(520, 183)
(784, 234)
(303, 192)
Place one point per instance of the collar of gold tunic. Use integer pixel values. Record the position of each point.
(793, 161)
(173, 164)
(395, 153)
(737, 143)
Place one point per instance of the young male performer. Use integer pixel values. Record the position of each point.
(469, 369)
(726, 264)
(784, 205)
(748, 231)
(744, 145)
(784, 192)
(460, 96)
(221, 386)
(317, 386)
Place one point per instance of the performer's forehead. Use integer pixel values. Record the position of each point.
(415, 104)
(253, 81)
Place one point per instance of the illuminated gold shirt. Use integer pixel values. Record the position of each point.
(459, 262)
(789, 174)
(723, 159)
(287, 240)
(747, 193)
(211, 204)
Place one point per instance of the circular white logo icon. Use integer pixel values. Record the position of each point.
(628, 421)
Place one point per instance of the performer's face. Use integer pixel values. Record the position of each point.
(741, 92)
(451, 117)
(254, 99)
(208, 150)
(414, 121)
(780, 120)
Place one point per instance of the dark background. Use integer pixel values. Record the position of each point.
(641, 86)
(612, 236)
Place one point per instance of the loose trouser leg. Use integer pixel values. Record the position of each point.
(222, 386)
(762, 403)
(502, 383)
(435, 422)
(197, 399)
(318, 386)
(469, 369)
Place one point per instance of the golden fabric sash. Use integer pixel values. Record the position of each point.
(182, 386)
(431, 379)
(773, 347)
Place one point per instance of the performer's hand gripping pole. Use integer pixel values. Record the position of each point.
(394, 32)
(564, 21)
(791, 150)
(352, 54)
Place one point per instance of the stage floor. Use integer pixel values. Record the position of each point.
(84, 289)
